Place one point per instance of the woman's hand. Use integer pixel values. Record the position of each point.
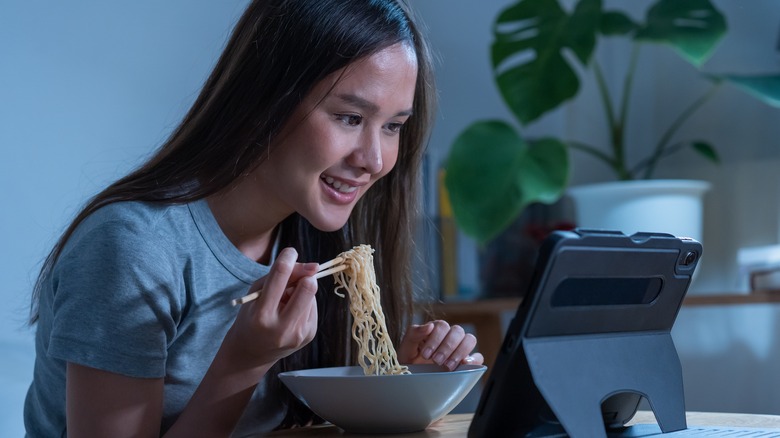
(283, 318)
(438, 342)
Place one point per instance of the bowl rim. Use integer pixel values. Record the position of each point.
(416, 369)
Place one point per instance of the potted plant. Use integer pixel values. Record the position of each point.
(493, 173)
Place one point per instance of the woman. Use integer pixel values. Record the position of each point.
(306, 140)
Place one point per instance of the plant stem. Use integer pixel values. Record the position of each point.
(615, 135)
(624, 104)
(617, 124)
(605, 97)
(614, 130)
(592, 150)
(669, 150)
(664, 141)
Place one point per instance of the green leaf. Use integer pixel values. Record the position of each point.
(532, 74)
(492, 174)
(532, 89)
(544, 173)
(614, 23)
(692, 27)
(582, 27)
(706, 150)
(764, 87)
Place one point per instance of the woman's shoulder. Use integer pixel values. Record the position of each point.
(139, 218)
(133, 223)
(145, 213)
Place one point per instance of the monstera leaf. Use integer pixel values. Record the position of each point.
(532, 73)
(763, 87)
(693, 28)
(538, 52)
(489, 188)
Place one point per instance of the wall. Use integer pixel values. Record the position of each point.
(743, 130)
(88, 88)
(729, 354)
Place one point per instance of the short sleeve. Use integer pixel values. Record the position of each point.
(117, 299)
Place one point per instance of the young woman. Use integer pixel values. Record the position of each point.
(306, 140)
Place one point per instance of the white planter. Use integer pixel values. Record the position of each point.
(667, 206)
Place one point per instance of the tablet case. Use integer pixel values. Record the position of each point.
(591, 337)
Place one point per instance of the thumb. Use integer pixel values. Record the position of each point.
(414, 336)
(418, 333)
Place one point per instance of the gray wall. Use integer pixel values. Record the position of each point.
(742, 207)
(88, 88)
(730, 354)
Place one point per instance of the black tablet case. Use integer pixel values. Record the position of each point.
(591, 337)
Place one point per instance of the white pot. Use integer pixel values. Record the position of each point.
(666, 206)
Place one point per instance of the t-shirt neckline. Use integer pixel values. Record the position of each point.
(241, 266)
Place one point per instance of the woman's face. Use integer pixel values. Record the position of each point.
(341, 139)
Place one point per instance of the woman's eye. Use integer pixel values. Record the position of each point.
(350, 119)
(395, 127)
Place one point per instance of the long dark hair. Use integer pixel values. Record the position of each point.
(277, 52)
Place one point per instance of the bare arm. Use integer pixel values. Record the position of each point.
(281, 321)
(99, 403)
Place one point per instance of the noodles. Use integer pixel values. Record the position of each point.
(376, 354)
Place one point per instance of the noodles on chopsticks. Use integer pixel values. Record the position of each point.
(376, 354)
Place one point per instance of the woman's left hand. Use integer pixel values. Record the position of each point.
(438, 342)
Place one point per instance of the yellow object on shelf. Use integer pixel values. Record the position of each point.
(449, 249)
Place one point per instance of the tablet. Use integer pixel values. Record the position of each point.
(594, 325)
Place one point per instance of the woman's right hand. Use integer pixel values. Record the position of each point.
(280, 321)
(283, 318)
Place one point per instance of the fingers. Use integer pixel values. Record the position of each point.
(276, 281)
(300, 312)
(301, 270)
(409, 350)
(284, 272)
(474, 359)
(448, 345)
(284, 318)
(301, 299)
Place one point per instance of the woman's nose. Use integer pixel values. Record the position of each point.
(368, 153)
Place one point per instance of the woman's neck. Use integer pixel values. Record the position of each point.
(250, 230)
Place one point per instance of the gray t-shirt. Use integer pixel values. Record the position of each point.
(142, 290)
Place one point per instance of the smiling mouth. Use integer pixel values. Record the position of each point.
(338, 185)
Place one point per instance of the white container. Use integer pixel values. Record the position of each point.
(665, 206)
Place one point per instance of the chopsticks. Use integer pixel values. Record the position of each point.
(328, 268)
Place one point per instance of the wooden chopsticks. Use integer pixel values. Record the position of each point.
(328, 268)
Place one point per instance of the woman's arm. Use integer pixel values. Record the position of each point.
(100, 403)
(281, 321)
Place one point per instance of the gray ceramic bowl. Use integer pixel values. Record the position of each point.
(382, 404)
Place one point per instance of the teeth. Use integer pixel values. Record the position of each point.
(338, 185)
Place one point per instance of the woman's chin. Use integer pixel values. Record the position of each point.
(330, 224)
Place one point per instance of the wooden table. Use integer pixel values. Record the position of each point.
(486, 315)
(457, 425)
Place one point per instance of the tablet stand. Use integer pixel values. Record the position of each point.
(600, 366)
(591, 337)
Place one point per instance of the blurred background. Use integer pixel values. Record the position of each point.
(88, 89)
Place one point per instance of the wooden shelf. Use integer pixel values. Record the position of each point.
(762, 297)
(485, 315)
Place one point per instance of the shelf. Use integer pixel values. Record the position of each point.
(765, 297)
(486, 314)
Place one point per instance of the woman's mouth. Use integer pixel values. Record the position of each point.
(338, 185)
